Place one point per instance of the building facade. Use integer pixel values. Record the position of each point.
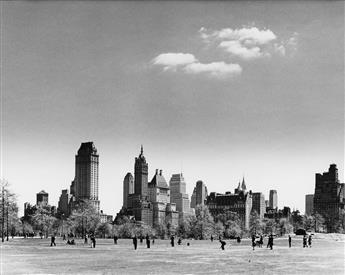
(86, 174)
(240, 202)
(150, 202)
(42, 198)
(309, 204)
(259, 204)
(273, 200)
(329, 197)
(65, 203)
(179, 196)
(128, 188)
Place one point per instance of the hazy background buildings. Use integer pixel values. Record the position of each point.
(75, 71)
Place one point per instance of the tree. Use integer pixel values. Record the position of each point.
(285, 227)
(231, 223)
(255, 224)
(104, 229)
(319, 222)
(202, 225)
(43, 220)
(83, 220)
(8, 211)
(270, 226)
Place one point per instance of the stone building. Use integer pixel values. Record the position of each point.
(179, 196)
(42, 198)
(309, 204)
(329, 197)
(240, 202)
(150, 202)
(259, 204)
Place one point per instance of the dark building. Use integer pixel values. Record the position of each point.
(309, 204)
(277, 214)
(259, 204)
(199, 194)
(65, 203)
(273, 202)
(140, 174)
(42, 198)
(240, 203)
(85, 184)
(128, 188)
(329, 197)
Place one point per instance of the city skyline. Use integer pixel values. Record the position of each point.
(256, 91)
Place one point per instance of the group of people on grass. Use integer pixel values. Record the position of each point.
(307, 241)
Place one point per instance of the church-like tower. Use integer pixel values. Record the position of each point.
(140, 174)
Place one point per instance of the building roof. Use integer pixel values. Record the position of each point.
(159, 181)
(87, 148)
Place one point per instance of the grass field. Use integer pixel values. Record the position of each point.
(35, 256)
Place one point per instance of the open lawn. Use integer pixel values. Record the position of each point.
(28, 256)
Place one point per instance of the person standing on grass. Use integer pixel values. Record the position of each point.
(172, 241)
(222, 244)
(309, 240)
(289, 241)
(141, 239)
(147, 241)
(115, 239)
(270, 241)
(305, 241)
(261, 242)
(253, 241)
(211, 238)
(179, 241)
(135, 242)
(52, 241)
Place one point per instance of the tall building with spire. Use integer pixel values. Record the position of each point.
(86, 174)
(150, 202)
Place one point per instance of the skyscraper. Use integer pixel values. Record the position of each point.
(201, 193)
(42, 198)
(128, 188)
(178, 194)
(64, 206)
(273, 199)
(140, 174)
(329, 197)
(309, 204)
(259, 204)
(86, 174)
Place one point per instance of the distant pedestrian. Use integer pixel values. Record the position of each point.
(64, 237)
(147, 241)
(309, 240)
(172, 241)
(253, 241)
(179, 241)
(115, 239)
(85, 239)
(141, 239)
(261, 241)
(305, 241)
(188, 244)
(238, 239)
(222, 244)
(289, 241)
(211, 238)
(270, 241)
(93, 241)
(52, 242)
(135, 242)
(153, 240)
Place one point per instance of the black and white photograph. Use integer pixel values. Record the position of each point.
(172, 137)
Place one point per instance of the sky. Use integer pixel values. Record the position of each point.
(216, 90)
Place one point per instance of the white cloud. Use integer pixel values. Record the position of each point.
(173, 60)
(236, 48)
(216, 69)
